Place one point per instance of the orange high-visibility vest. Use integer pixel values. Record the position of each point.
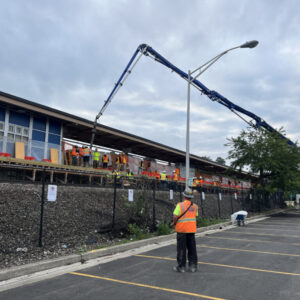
(105, 158)
(74, 152)
(86, 151)
(187, 223)
(124, 159)
(175, 177)
(81, 151)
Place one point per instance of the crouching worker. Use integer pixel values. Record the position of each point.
(184, 219)
(240, 220)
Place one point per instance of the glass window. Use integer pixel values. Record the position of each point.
(11, 128)
(18, 130)
(25, 139)
(1, 126)
(25, 131)
(1, 133)
(11, 136)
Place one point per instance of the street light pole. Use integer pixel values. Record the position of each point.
(187, 157)
(202, 69)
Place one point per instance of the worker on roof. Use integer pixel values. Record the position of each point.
(118, 161)
(124, 160)
(86, 156)
(104, 161)
(129, 174)
(184, 219)
(96, 158)
(75, 155)
(80, 159)
(175, 180)
(163, 180)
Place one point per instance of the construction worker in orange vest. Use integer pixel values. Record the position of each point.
(124, 161)
(184, 218)
(86, 156)
(201, 181)
(175, 180)
(104, 161)
(75, 155)
(80, 160)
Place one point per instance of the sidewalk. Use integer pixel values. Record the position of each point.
(14, 272)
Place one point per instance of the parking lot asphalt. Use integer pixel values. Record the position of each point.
(258, 261)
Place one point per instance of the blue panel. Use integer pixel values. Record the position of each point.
(38, 135)
(54, 139)
(54, 127)
(39, 123)
(2, 114)
(19, 119)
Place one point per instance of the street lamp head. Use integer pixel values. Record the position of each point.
(250, 44)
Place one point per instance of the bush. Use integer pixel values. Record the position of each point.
(163, 229)
(136, 233)
(204, 221)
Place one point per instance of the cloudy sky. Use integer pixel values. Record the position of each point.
(69, 54)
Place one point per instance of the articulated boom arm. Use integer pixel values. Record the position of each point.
(146, 50)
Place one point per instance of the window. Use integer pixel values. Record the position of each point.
(11, 128)
(17, 133)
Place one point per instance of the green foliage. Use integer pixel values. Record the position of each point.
(206, 158)
(268, 155)
(138, 211)
(163, 229)
(220, 161)
(204, 221)
(137, 233)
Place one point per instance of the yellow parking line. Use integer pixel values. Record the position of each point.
(256, 227)
(246, 240)
(225, 266)
(147, 286)
(263, 234)
(280, 224)
(246, 250)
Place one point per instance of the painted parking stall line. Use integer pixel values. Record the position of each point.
(225, 266)
(261, 234)
(250, 251)
(247, 240)
(147, 286)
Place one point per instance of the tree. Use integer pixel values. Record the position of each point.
(268, 155)
(220, 161)
(206, 158)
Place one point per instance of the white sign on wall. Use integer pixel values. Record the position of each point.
(130, 195)
(235, 196)
(190, 182)
(203, 196)
(171, 194)
(52, 192)
(220, 196)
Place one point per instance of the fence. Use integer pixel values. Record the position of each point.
(87, 208)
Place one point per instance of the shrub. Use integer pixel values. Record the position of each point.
(163, 229)
(204, 221)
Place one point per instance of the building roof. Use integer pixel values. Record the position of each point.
(80, 129)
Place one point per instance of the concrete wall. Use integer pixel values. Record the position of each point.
(80, 213)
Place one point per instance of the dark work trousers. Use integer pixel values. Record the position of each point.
(186, 241)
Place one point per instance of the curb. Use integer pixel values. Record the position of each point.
(14, 272)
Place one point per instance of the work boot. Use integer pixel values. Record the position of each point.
(179, 269)
(193, 268)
